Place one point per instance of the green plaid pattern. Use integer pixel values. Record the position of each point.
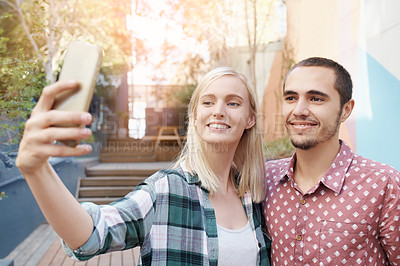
(170, 217)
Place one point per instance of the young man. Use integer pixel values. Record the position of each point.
(326, 205)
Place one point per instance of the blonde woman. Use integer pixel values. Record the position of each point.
(204, 211)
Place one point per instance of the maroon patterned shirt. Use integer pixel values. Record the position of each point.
(350, 217)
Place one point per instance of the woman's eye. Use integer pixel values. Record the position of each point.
(234, 104)
(207, 103)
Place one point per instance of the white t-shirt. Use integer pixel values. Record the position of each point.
(237, 247)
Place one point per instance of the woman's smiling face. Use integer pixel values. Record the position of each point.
(224, 111)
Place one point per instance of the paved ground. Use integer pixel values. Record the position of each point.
(43, 247)
(33, 248)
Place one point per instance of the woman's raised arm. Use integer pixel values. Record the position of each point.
(63, 212)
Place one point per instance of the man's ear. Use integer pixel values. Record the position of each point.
(347, 109)
(251, 121)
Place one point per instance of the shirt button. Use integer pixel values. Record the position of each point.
(298, 237)
(303, 201)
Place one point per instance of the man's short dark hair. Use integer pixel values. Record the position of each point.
(343, 83)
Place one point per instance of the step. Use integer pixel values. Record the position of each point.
(121, 159)
(126, 169)
(129, 148)
(85, 192)
(123, 152)
(104, 181)
(129, 142)
(120, 172)
(99, 200)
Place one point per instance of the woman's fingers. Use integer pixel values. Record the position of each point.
(58, 118)
(49, 93)
(49, 135)
(73, 133)
(37, 145)
(46, 125)
(64, 151)
(29, 159)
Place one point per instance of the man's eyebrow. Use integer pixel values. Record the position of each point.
(320, 93)
(310, 92)
(287, 92)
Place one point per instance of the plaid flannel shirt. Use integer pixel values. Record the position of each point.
(171, 218)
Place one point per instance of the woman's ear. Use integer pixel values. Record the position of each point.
(347, 109)
(251, 121)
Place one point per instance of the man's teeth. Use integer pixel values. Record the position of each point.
(302, 125)
(218, 126)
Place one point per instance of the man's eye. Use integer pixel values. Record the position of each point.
(316, 99)
(289, 98)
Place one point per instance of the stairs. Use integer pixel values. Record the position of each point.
(123, 164)
(107, 182)
(128, 150)
(148, 149)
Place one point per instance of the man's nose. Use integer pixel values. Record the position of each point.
(301, 108)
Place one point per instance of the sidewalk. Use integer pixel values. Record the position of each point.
(43, 247)
(56, 256)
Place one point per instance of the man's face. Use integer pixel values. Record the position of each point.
(311, 106)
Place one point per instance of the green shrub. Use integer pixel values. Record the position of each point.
(279, 148)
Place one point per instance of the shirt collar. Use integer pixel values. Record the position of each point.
(190, 178)
(194, 178)
(334, 177)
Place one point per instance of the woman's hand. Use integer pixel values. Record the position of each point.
(41, 131)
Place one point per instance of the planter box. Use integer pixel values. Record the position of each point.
(19, 212)
(6, 262)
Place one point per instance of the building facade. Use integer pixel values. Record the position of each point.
(363, 36)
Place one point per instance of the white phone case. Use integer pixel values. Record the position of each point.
(81, 63)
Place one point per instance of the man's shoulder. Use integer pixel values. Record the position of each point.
(376, 168)
(277, 163)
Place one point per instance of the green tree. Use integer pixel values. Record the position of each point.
(34, 36)
(257, 17)
(222, 24)
(49, 25)
(3, 195)
(21, 81)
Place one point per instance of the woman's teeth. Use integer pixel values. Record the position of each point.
(218, 126)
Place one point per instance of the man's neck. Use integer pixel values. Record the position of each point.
(312, 164)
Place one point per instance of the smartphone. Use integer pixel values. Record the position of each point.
(81, 63)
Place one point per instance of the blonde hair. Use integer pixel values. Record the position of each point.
(248, 159)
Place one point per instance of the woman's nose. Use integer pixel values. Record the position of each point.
(219, 110)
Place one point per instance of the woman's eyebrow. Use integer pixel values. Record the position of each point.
(234, 96)
(207, 96)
